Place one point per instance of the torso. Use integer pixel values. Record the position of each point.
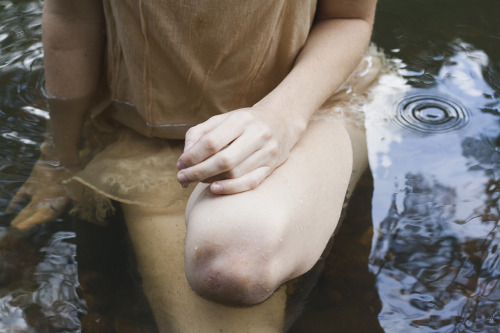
(177, 63)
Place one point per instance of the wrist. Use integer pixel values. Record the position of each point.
(285, 116)
(63, 156)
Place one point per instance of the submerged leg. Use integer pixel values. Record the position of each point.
(158, 239)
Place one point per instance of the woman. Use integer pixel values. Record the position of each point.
(240, 83)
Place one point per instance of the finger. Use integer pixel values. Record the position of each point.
(196, 132)
(19, 199)
(245, 183)
(25, 214)
(225, 160)
(211, 143)
(39, 212)
(39, 216)
(255, 160)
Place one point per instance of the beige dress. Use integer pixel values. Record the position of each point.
(172, 64)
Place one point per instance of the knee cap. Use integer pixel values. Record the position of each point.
(229, 280)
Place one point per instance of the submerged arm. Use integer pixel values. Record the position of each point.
(73, 38)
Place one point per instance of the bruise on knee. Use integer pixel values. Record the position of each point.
(233, 252)
(228, 277)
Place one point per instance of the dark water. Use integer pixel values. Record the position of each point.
(419, 249)
(67, 275)
(436, 165)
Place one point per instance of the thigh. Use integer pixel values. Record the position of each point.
(158, 239)
(280, 228)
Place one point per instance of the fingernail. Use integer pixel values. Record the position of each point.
(180, 165)
(181, 178)
(217, 188)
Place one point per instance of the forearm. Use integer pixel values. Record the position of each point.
(73, 38)
(333, 50)
(236, 151)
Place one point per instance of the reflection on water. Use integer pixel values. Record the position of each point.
(431, 260)
(345, 298)
(54, 301)
(50, 280)
(435, 206)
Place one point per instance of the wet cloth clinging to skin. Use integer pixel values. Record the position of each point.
(172, 64)
(180, 62)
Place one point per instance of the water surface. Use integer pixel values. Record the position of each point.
(434, 152)
(419, 249)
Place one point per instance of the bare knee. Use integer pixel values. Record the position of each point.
(236, 269)
(229, 280)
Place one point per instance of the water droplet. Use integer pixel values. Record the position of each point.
(429, 114)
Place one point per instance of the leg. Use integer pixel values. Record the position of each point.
(240, 248)
(158, 239)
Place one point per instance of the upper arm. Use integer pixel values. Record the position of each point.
(347, 9)
(73, 35)
(69, 24)
(76, 10)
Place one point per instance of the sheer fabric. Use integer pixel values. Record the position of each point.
(173, 64)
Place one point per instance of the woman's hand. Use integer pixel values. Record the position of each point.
(45, 190)
(237, 150)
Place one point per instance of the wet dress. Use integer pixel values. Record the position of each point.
(170, 65)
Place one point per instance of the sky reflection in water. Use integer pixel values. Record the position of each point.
(435, 203)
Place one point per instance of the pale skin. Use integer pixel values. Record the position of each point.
(271, 182)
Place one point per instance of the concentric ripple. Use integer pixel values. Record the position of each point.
(427, 113)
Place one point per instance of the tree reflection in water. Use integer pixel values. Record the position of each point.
(436, 247)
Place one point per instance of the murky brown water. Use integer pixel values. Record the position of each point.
(418, 251)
